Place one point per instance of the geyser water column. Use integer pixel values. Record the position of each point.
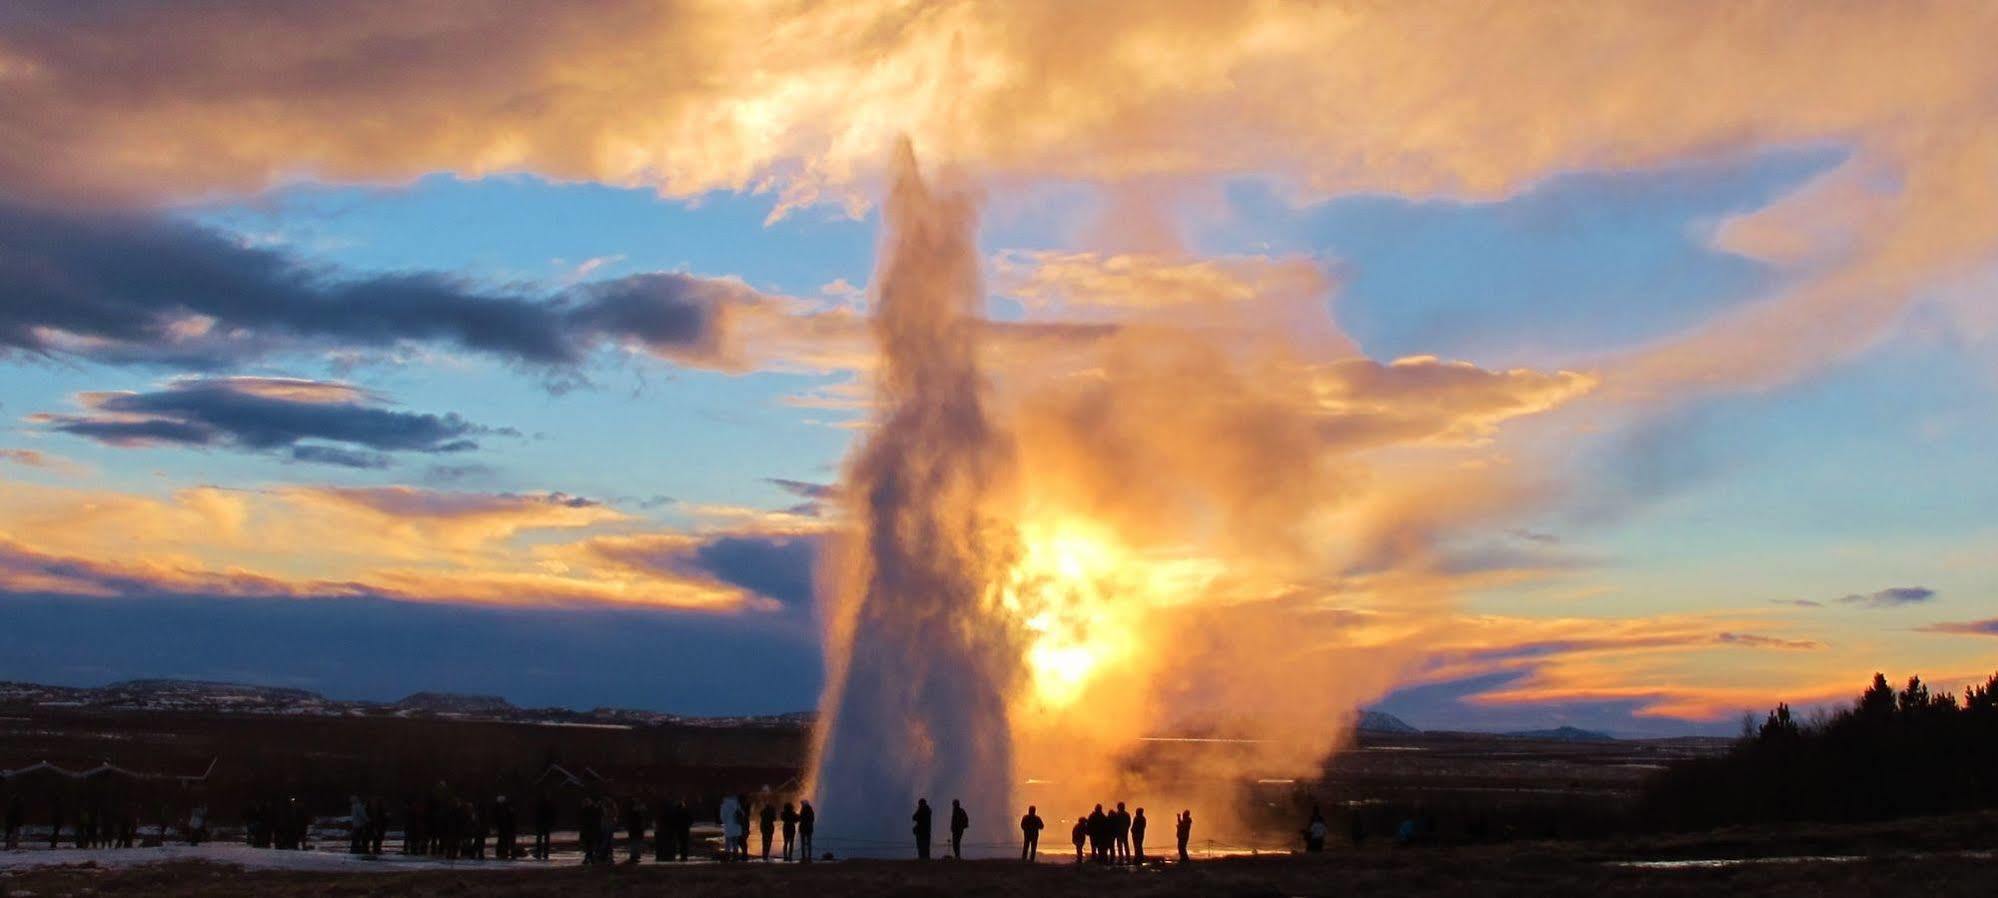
(920, 656)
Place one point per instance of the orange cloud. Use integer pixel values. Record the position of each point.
(398, 542)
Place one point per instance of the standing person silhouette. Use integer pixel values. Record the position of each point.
(634, 827)
(959, 822)
(731, 827)
(1185, 831)
(1138, 837)
(766, 824)
(742, 827)
(808, 820)
(503, 830)
(544, 825)
(17, 815)
(1120, 823)
(790, 818)
(1030, 834)
(1099, 836)
(1079, 833)
(922, 828)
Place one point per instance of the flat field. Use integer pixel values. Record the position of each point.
(1931, 857)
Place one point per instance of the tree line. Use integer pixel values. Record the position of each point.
(1892, 753)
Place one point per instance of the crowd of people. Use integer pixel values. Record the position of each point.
(442, 824)
(1112, 837)
(98, 823)
(798, 823)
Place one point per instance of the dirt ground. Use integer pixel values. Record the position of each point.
(1938, 857)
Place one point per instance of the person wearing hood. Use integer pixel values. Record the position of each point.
(733, 830)
(357, 825)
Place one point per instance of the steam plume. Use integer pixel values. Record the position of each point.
(921, 660)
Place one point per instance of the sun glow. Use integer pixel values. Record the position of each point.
(1081, 595)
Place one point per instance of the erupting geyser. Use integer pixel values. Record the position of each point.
(1118, 533)
(921, 658)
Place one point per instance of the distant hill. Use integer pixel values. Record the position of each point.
(1383, 722)
(455, 703)
(209, 697)
(1563, 734)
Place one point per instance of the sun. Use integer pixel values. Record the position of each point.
(1080, 595)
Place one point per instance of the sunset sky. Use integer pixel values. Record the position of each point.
(1644, 354)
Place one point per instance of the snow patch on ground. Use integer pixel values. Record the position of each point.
(249, 858)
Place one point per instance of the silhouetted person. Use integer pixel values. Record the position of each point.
(1315, 831)
(742, 827)
(197, 825)
(790, 818)
(256, 827)
(1030, 834)
(589, 819)
(379, 819)
(1120, 827)
(634, 827)
(357, 825)
(662, 829)
(17, 815)
(1079, 834)
(683, 837)
(808, 820)
(1099, 835)
(480, 816)
(604, 840)
(1184, 830)
(505, 846)
(922, 830)
(55, 820)
(959, 822)
(412, 827)
(1138, 836)
(544, 825)
(766, 824)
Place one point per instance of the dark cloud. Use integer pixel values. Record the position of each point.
(1754, 640)
(776, 566)
(1797, 603)
(361, 647)
(779, 567)
(1891, 597)
(345, 458)
(1457, 705)
(322, 422)
(803, 489)
(137, 288)
(1965, 628)
(412, 503)
(457, 473)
